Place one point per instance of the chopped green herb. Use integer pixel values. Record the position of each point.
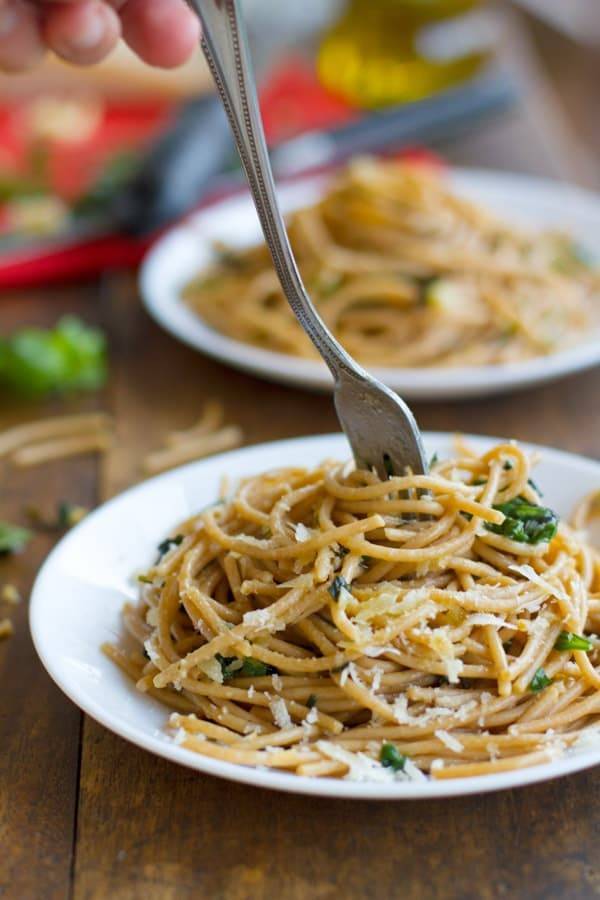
(254, 668)
(423, 283)
(434, 460)
(388, 465)
(338, 584)
(341, 552)
(508, 466)
(533, 485)
(145, 579)
(166, 545)
(230, 258)
(69, 514)
(569, 641)
(525, 522)
(365, 561)
(70, 356)
(13, 538)
(571, 257)
(312, 701)
(391, 758)
(539, 681)
(234, 667)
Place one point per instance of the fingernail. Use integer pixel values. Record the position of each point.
(8, 19)
(91, 32)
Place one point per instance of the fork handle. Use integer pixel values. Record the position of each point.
(225, 46)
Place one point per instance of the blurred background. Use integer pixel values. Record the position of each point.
(94, 163)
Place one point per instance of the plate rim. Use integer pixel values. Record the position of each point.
(281, 781)
(431, 383)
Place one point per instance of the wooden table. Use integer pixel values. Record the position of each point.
(85, 815)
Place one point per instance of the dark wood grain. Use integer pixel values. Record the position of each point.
(39, 727)
(86, 815)
(185, 835)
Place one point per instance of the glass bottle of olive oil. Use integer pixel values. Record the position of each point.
(384, 52)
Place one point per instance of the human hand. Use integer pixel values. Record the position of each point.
(162, 32)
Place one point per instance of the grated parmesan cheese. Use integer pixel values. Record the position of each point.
(362, 768)
(485, 699)
(587, 741)
(302, 533)
(150, 649)
(212, 669)
(374, 652)
(377, 674)
(492, 750)
(251, 728)
(488, 619)
(344, 675)
(453, 669)
(449, 741)
(530, 574)
(311, 716)
(179, 736)
(279, 711)
(403, 716)
(258, 618)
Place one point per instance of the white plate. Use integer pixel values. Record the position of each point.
(183, 252)
(80, 590)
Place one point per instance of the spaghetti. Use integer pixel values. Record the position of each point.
(328, 623)
(59, 437)
(209, 435)
(407, 274)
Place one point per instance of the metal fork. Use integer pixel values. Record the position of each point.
(381, 429)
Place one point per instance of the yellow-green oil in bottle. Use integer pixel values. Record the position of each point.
(385, 52)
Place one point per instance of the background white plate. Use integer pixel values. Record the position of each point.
(183, 252)
(78, 596)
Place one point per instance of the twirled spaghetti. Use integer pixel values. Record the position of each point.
(329, 623)
(405, 274)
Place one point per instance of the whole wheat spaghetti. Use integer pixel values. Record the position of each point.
(208, 435)
(43, 439)
(328, 623)
(405, 273)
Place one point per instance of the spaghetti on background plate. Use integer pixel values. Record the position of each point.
(328, 623)
(407, 274)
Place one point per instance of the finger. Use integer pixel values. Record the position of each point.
(21, 44)
(83, 32)
(164, 33)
